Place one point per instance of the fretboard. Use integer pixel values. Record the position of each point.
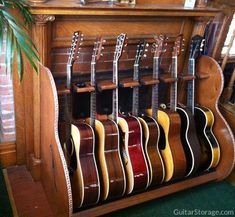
(93, 97)
(173, 94)
(190, 86)
(115, 91)
(135, 95)
(68, 76)
(155, 87)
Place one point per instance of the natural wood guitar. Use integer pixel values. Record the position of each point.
(110, 162)
(85, 178)
(132, 147)
(171, 147)
(188, 133)
(151, 130)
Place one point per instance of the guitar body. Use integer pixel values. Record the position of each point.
(170, 145)
(85, 179)
(133, 154)
(204, 120)
(189, 140)
(151, 134)
(110, 162)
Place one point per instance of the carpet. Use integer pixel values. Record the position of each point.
(212, 199)
(5, 203)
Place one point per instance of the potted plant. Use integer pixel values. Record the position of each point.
(13, 31)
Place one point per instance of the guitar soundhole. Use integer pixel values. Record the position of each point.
(162, 139)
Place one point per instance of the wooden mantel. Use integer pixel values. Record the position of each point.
(72, 7)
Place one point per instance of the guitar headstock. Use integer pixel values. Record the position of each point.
(196, 46)
(140, 52)
(159, 45)
(178, 46)
(119, 46)
(74, 50)
(97, 50)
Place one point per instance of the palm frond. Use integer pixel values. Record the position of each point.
(18, 41)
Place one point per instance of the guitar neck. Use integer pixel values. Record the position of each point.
(69, 75)
(115, 91)
(155, 102)
(173, 94)
(135, 96)
(93, 96)
(191, 86)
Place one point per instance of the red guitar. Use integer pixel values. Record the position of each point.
(132, 148)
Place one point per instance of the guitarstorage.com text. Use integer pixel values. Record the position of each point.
(201, 212)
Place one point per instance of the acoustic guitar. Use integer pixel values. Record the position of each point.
(110, 162)
(188, 132)
(132, 147)
(171, 147)
(151, 130)
(85, 179)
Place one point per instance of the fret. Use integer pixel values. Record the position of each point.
(155, 103)
(115, 91)
(190, 86)
(93, 97)
(173, 96)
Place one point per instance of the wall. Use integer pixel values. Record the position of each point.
(7, 114)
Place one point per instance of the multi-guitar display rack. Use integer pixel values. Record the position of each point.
(135, 143)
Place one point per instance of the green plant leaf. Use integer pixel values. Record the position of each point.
(18, 42)
(20, 64)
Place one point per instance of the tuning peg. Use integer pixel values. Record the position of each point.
(104, 41)
(144, 55)
(101, 54)
(147, 44)
(145, 50)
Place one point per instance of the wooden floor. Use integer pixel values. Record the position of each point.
(30, 199)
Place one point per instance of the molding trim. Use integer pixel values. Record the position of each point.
(7, 154)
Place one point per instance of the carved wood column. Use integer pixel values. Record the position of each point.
(40, 33)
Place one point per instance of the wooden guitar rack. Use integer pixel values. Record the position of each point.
(143, 19)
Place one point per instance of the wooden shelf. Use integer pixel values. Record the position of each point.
(128, 82)
(148, 80)
(167, 78)
(202, 76)
(86, 88)
(146, 196)
(187, 77)
(62, 89)
(72, 7)
(105, 85)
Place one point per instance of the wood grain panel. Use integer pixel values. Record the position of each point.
(64, 27)
(7, 154)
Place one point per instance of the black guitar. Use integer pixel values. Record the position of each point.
(188, 131)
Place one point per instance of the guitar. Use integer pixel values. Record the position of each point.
(151, 131)
(204, 119)
(171, 147)
(110, 162)
(188, 132)
(85, 179)
(132, 148)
